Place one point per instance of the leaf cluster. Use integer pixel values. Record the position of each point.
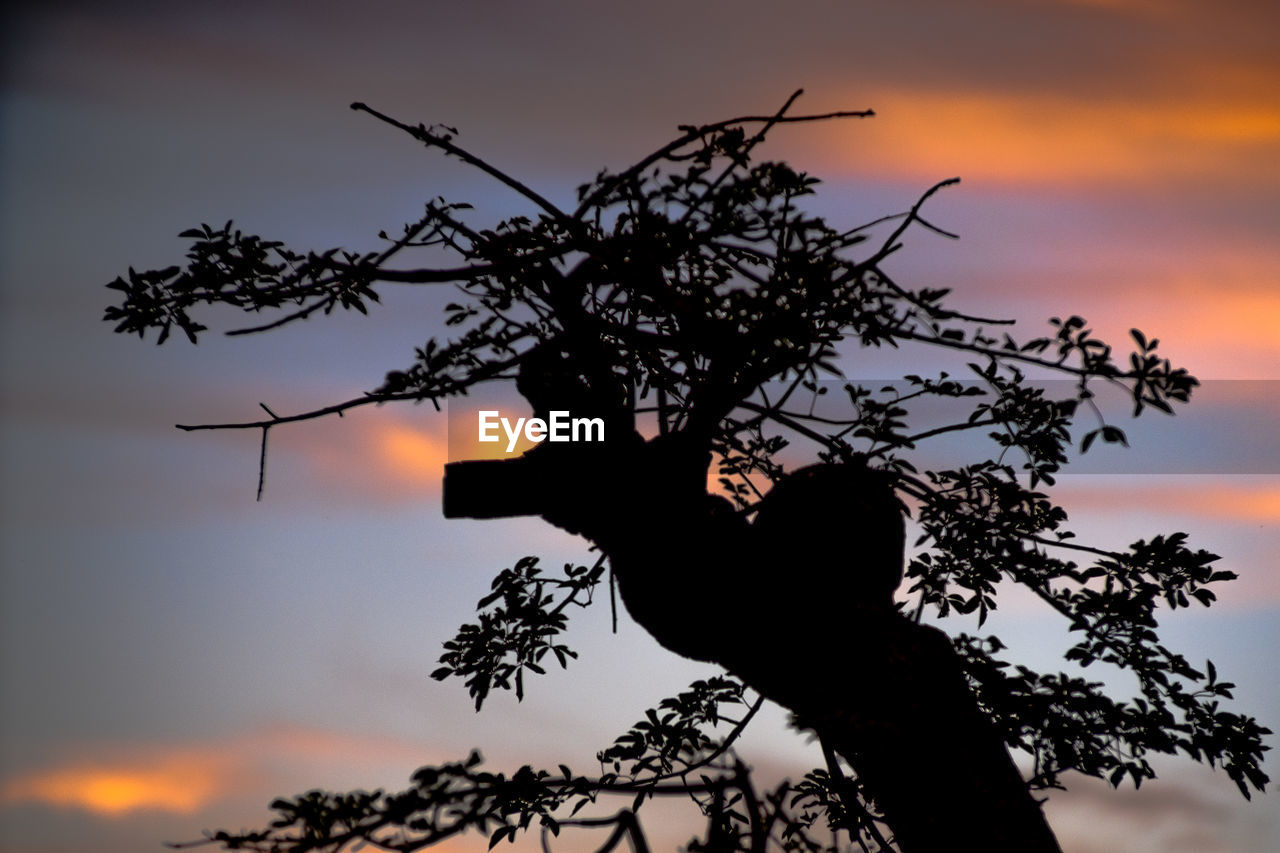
(519, 621)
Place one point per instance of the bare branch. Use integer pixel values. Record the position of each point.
(335, 409)
(433, 140)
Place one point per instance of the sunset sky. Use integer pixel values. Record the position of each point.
(174, 654)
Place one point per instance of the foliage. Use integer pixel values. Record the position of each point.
(519, 630)
(708, 293)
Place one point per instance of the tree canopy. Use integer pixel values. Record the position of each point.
(702, 308)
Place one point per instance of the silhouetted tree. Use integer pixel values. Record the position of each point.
(692, 305)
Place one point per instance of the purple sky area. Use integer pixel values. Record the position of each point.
(173, 655)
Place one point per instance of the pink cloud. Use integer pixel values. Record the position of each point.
(1191, 810)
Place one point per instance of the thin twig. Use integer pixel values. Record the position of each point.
(430, 139)
(335, 409)
(696, 133)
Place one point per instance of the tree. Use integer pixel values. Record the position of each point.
(693, 306)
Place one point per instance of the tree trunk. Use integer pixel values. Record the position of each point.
(887, 694)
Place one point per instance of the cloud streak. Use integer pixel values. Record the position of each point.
(1049, 139)
(1211, 499)
(117, 781)
(181, 783)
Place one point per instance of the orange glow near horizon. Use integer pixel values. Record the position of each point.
(121, 780)
(178, 784)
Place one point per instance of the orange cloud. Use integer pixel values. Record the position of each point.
(379, 454)
(1221, 501)
(409, 453)
(1217, 326)
(1238, 331)
(1254, 505)
(181, 783)
(120, 780)
(1017, 138)
(1213, 300)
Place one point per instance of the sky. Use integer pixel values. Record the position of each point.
(173, 654)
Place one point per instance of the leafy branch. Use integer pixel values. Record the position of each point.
(518, 625)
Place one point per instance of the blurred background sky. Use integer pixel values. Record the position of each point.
(174, 655)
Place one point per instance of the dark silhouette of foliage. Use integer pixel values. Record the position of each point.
(692, 297)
